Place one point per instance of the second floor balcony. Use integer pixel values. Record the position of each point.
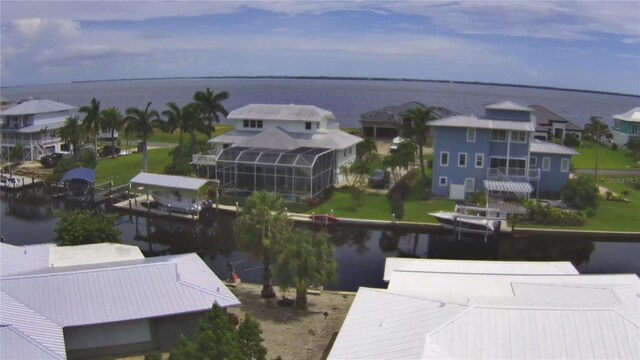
(513, 174)
(205, 158)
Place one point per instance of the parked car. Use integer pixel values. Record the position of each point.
(394, 144)
(109, 150)
(379, 179)
(51, 160)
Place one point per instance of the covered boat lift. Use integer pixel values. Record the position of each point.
(80, 184)
(147, 182)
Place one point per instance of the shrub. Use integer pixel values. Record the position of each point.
(397, 205)
(63, 166)
(582, 193)
(543, 214)
(571, 140)
(477, 198)
(177, 167)
(89, 159)
(79, 227)
(614, 146)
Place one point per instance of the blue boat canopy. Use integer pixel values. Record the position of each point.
(81, 173)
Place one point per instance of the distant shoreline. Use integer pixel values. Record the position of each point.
(365, 79)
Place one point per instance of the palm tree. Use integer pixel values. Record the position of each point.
(91, 121)
(72, 132)
(419, 129)
(112, 120)
(305, 259)
(186, 120)
(210, 105)
(141, 123)
(597, 129)
(259, 229)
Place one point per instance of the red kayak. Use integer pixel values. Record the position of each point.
(325, 218)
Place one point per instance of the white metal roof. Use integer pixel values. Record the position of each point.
(477, 267)
(281, 112)
(510, 186)
(37, 106)
(632, 115)
(508, 105)
(274, 138)
(17, 259)
(169, 181)
(92, 254)
(280, 139)
(539, 146)
(495, 315)
(482, 123)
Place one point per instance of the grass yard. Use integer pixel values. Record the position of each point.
(375, 207)
(124, 168)
(608, 159)
(163, 137)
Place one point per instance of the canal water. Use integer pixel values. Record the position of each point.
(28, 217)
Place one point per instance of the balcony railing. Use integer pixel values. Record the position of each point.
(27, 142)
(204, 158)
(513, 174)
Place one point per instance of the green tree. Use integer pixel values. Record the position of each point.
(141, 124)
(403, 157)
(91, 121)
(112, 121)
(80, 227)
(305, 259)
(597, 129)
(72, 132)
(186, 120)
(366, 147)
(17, 154)
(210, 105)
(217, 339)
(419, 130)
(581, 193)
(259, 228)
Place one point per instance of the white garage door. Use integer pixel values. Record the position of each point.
(456, 192)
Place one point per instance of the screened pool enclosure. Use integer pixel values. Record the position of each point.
(296, 175)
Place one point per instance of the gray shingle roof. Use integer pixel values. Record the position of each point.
(507, 105)
(395, 114)
(281, 139)
(280, 112)
(538, 146)
(37, 106)
(632, 115)
(481, 123)
(544, 118)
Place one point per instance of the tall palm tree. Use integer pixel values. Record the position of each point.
(305, 259)
(141, 123)
(187, 120)
(72, 132)
(91, 121)
(112, 120)
(210, 105)
(419, 129)
(597, 129)
(259, 228)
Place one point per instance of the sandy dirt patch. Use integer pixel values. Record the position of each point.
(293, 333)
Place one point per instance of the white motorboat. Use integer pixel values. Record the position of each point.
(470, 219)
(175, 201)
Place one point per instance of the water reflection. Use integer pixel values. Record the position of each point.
(28, 218)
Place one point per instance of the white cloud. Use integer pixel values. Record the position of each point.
(630, 40)
(32, 27)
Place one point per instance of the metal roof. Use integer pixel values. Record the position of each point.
(539, 146)
(508, 105)
(169, 181)
(466, 121)
(281, 139)
(22, 346)
(494, 315)
(476, 266)
(80, 173)
(17, 259)
(632, 115)
(37, 106)
(510, 186)
(280, 112)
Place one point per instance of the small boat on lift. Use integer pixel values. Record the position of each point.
(470, 219)
(175, 201)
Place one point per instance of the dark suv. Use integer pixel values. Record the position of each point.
(51, 160)
(109, 151)
(379, 179)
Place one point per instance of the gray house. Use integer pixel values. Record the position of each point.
(388, 122)
(550, 125)
(60, 303)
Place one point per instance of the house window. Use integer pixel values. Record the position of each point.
(564, 165)
(471, 135)
(635, 129)
(317, 125)
(307, 125)
(442, 181)
(259, 124)
(519, 136)
(469, 185)
(546, 163)
(533, 161)
(462, 159)
(479, 160)
(252, 123)
(245, 123)
(499, 135)
(345, 152)
(444, 158)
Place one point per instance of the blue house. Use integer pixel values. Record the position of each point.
(626, 127)
(497, 154)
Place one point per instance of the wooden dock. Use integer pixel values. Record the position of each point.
(139, 204)
(18, 182)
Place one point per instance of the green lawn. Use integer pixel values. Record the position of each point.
(375, 207)
(163, 137)
(608, 159)
(124, 168)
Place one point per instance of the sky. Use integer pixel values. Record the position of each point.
(592, 45)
